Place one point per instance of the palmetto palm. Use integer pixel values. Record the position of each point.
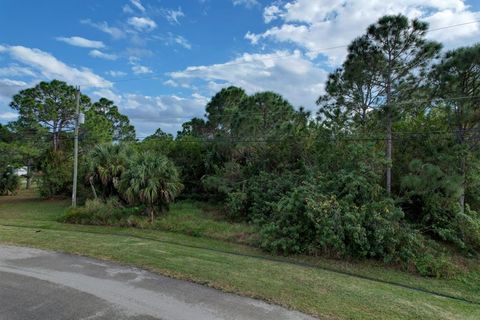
(106, 165)
(151, 179)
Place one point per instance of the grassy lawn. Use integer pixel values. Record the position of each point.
(236, 268)
(202, 220)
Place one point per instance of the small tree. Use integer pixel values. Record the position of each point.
(152, 180)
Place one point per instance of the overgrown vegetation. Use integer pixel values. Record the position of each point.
(9, 181)
(387, 170)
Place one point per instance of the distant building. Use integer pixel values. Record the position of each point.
(21, 171)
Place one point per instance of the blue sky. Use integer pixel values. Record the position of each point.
(161, 60)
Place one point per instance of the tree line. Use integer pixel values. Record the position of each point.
(387, 168)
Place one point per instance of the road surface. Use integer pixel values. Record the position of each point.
(36, 284)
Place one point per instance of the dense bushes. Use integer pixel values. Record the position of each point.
(311, 220)
(9, 181)
(56, 174)
(431, 201)
(104, 213)
(344, 212)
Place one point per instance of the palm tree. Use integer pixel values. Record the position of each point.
(106, 164)
(152, 180)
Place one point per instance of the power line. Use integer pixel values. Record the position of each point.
(453, 26)
(370, 136)
(354, 137)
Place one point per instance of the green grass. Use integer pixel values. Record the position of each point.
(201, 220)
(319, 292)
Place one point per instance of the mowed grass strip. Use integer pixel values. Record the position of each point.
(324, 294)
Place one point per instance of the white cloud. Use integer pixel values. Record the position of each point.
(127, 9)
(137, 53)
(138, 69)
(271, 13)
(458, 36)
(51, 68)
(116, 74)
(171, 83)
(252, 37)
(102, 55)
(114, 32)
(148, 113)
(262, 72)
(137, 4)
(109, 94)
(16, 71)
(82, 42)
(173, 16)
(182, 42)
(246, 3)
(316, 25)
(142, 23)
(173, 39)
(9, 87)
(8, 116)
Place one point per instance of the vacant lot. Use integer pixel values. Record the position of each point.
(332, 290)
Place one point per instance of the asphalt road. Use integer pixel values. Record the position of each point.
(36, 284)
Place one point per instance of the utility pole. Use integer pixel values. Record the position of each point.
(75, 152)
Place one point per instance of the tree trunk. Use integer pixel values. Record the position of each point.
(55, 136)
(93, 187)
(464, 183)
(460, 137)
(29, 175)
(151, 212)
(389, 152)
(388, 184)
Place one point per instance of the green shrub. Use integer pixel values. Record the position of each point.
(56, 174)
(289, 230)
(9, 182)
(265, 190)
(467, 226)
(105, 213)
(431, 201)
(438, 266)
(236, 205)
(226, 179)
(309, 220)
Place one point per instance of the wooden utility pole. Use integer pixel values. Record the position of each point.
(75, 152)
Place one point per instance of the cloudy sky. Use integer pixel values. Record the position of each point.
(161, 60)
